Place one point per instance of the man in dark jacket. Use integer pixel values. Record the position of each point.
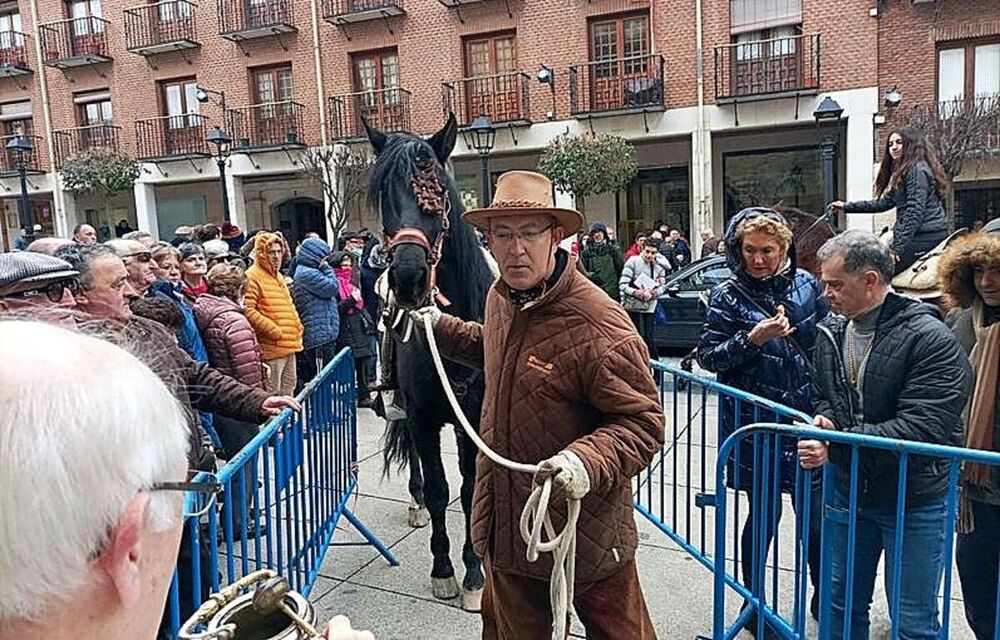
(603, 261)
(887, 367)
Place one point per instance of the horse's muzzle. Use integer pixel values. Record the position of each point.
(409, 276)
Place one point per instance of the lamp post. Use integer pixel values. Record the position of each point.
(222, 142)
(829, 112)
(22, 145)
(481, 135)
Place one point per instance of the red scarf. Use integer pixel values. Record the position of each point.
(194, 292)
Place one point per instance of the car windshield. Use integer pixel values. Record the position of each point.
(704, 278)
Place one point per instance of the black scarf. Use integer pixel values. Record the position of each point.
(519, 297)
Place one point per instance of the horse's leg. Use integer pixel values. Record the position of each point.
(472, 584)
(428, 440)
(417, 515)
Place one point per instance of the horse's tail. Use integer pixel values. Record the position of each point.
(397, 446)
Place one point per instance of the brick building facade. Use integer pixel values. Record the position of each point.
(713, 133)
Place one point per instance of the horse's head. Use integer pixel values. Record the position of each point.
(411, 189)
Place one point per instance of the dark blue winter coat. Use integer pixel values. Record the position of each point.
(315, 293)
(778, 370)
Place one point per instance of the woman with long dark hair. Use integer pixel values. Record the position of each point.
(911, 179)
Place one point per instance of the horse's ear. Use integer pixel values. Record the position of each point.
(443, 142)
(376, 137)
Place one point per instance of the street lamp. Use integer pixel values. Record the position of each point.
(481, 135)
(22, 145)
(222, 143)
(829, 112)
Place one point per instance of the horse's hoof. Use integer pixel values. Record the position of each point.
(418, 517)
(444, 588)
(472, 599)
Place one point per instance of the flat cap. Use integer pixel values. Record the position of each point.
(24, 267)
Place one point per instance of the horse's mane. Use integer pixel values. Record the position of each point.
(403, 157)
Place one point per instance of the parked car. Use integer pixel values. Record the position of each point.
(680, 311)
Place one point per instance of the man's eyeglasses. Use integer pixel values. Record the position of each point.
(199, 495)
(505, 236)
(143, 256)
(53, 291)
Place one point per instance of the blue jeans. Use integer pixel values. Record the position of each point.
(922, 565)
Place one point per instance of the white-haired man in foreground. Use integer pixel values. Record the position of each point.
(92, 511)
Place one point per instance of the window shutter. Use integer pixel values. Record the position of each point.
(754, 15)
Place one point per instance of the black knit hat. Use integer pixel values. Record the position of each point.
(24, 267)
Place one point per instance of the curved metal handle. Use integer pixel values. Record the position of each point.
(215, 603)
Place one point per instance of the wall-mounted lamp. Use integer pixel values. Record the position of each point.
(547, 76)
(893, 97)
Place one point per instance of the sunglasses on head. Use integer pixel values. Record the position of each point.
(53, 290)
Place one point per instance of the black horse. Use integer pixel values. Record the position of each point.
(435, 257)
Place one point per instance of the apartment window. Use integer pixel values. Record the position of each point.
(16, 118)
(10, 28)
(376, 78)
(619, 46)
(273, 84)
(491, 86)
(170, 11)
(179, 102)
(968, 71)
(757, 15)
(93, 108)
(82, 11)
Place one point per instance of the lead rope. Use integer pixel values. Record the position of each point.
(535, 514)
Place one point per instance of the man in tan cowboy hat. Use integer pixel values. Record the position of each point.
(568, 385)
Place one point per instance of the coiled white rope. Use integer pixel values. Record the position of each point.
(535, 514)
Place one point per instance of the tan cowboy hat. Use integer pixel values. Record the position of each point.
(524, 193)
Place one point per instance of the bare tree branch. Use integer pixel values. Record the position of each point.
(960, 131)
(342, 172)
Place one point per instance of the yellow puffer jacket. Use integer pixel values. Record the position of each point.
(269, 305)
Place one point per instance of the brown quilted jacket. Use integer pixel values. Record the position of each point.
(566, 371)
(230, 340)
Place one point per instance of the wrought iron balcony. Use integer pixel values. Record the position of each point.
(767, 68)
(618, 85)
(10, 159)
(341, 12)
(269, 125)
(171, 137)
(386, 109)
(13, 54)
(503, 98)
(164, 26)
(75, 42)
(460, 3)
(248, 19)
(71, 142)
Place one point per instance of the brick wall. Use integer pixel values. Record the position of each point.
(429, 42)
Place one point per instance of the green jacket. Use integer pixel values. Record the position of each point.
(603, 264)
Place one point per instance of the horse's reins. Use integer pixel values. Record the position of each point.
(433, 200)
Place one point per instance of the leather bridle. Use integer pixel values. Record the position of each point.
(432, 199)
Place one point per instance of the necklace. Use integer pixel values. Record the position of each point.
(853, 365)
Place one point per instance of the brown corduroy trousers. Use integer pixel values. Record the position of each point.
(517, 608)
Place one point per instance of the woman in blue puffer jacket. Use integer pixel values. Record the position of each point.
(315, 293)
(759, 334)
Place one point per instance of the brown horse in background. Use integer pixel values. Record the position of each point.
(809, 232)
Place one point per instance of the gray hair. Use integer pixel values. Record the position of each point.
(126, 246)
(137, 235)
(79, 446)
(81, 256)
(862, 251)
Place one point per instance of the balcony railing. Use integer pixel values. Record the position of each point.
(767, 68)
(70, 142)
(617, 85)
(164, 26)
(503, 97)
(75, 42)
(169, 137)
(977, 119)
(246, 19)
(9, 159)
(347, 11)
(13, 54)
(270, 125)
(386, 109)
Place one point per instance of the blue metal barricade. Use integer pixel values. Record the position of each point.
(846, 537)
(283, 496)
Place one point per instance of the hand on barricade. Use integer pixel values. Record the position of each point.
(769, 328)
(276, 404)
(568, 474)
(339, 628)
(815, 453)
(429, 313)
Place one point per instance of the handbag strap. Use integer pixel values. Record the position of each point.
(767, 314)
